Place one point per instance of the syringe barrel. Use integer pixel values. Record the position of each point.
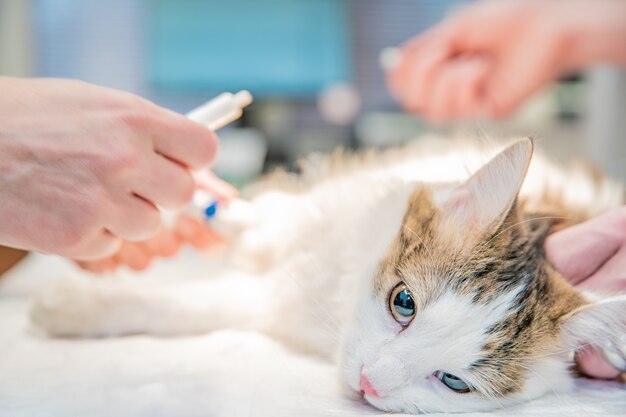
(222, 110)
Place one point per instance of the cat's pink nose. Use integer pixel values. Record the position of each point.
(366, 386)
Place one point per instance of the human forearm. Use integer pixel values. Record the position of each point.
(595, 32)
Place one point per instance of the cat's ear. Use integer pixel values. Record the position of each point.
(484, 200)
(602, 324)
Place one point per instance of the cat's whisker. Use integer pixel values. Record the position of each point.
(497, 400)
(495, 391)
(531, 370)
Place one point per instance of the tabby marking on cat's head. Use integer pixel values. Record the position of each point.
(464, 312)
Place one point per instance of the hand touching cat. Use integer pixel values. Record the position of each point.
(83, 168)
(592, 255)
(166, 244)
(489, 57)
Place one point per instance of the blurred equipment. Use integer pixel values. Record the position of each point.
(272, 48)
(339, 104)
(16, 38)
(312, 65)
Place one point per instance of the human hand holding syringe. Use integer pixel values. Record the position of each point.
(188, 226)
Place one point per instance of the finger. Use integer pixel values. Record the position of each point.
(469, 94)
(204, 238)
(398, 76)
(186, 142)
(472, 29)
(416, 55)
(197, 234)
(611, 276)
(165, 244)
(591, 362)
(513, 80)
(438, 106)
(424, 71)
(457, 81)
(134, 256)
(422, 55)
(133, 218)
(99, 266)
(578, 251)
(208, 181)
(169, 185)
(101, 245)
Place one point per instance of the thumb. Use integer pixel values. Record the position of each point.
(578, 251)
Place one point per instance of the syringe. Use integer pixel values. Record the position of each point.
(215, 114)
(221, 110)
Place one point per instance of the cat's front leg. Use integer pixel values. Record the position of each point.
(86, 307)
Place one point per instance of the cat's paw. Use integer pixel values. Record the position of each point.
(68, 308)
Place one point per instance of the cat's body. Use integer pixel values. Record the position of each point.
(325, 250)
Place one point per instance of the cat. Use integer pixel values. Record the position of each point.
(427, 286)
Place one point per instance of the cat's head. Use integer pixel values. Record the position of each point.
(464, 313)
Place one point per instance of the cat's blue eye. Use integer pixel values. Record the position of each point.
(453, 382)
(401, 304)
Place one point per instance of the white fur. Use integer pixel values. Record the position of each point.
(311, 257)
(602, 323)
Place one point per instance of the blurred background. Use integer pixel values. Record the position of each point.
(312, 65)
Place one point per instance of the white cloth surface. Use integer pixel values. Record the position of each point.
(224, 374)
